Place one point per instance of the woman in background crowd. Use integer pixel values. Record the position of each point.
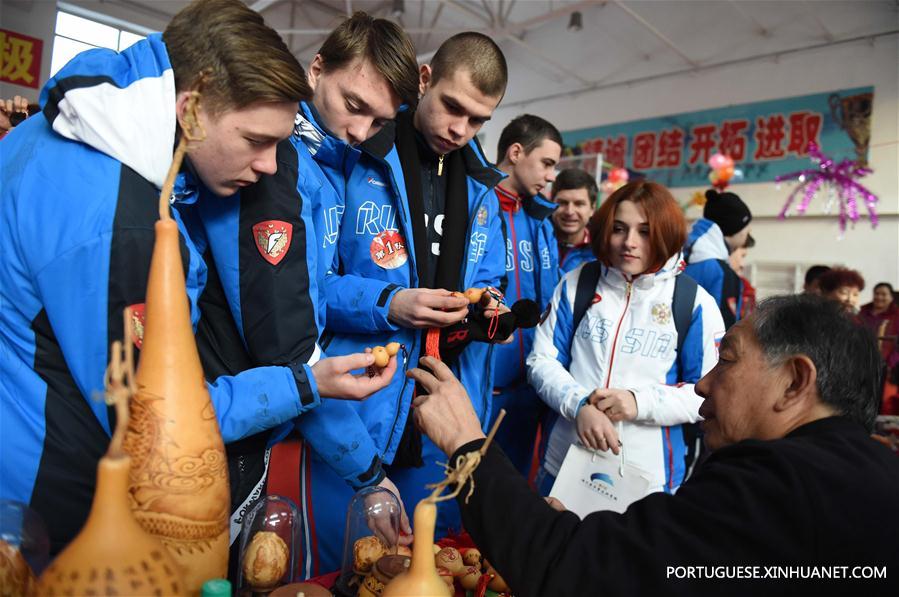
(880, 311)
(881, 315)
(842, 285)
(613, 372)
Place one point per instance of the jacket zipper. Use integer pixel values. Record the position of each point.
(412, 270)
(627, 301)
(628, 288)
(399, 402)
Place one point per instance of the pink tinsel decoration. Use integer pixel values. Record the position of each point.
(841, 177)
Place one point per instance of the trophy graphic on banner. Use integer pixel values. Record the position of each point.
(853, 114)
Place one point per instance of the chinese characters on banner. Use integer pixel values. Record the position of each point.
(20, 59)
(764, 139)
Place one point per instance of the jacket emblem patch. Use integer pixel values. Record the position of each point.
(482, 216)
(388, 250)
(596, 298)
(273, 239)
(661, 313)
(136, 321)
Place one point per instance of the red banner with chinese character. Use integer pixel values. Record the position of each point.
(20, 59)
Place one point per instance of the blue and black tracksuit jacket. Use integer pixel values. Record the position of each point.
(79, 194)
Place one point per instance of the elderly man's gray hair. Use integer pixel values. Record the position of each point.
(845, 354)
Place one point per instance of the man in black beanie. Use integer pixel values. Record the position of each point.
(723, 229)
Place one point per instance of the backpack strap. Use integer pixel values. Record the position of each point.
(586, 290)
(682, 310)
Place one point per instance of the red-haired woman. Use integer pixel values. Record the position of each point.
(615, 376)
(842, 285)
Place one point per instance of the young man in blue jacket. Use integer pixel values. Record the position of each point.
(722, 229)
(528, 151)
(575, 192)
(78, 203)
(272, 245)
(420, 222)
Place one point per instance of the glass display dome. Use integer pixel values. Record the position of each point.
(269, 546)
(372, 531)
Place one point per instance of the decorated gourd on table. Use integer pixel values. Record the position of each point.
(113, 555)
(382, 354)
(179, 475)
(265, 561)
(383, 571)
(424, 577)
(16, 577)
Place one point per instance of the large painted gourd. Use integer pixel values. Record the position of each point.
(112, 555)
(179, 476)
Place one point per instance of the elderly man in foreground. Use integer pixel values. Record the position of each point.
(795, 497)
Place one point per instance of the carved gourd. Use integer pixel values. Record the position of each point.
(179, 476)
(112, 555)
(421, 580)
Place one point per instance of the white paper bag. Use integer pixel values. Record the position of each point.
(590, 481)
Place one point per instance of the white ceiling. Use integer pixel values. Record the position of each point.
(621, 41)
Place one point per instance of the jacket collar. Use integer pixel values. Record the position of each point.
(324, 146)
(585, 242)
(537, 207)
(671, 268)
(477, 166)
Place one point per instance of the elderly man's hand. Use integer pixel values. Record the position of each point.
(555, 504)
(444, 413)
